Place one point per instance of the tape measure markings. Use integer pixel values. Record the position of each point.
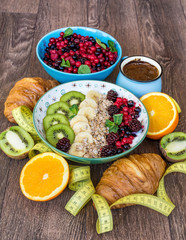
(80, 198)
(147, 200)
(23, 117)
(105, 220)
(176, 167)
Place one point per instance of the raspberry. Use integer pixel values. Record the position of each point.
(135, 125)
(112, 109)
(112, 138)
(63, 144)
(108, 151)
(112, 95)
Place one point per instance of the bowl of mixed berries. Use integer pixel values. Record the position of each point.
(78, 53)
(91, 121)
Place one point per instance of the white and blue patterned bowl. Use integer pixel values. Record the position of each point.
(63, 77)
(54, 95)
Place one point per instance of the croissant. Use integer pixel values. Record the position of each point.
(27, 92)
(139, 173)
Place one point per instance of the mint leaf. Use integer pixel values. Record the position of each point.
(113, 129)
(111, 46)
(109, 123)
(84, 69)
(100, 43)
(65, 64)
(118, 118)
(73, 111)
(68, 32)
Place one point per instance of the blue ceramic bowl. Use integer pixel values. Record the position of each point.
(68, 77)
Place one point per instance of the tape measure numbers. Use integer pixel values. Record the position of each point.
(105, 220)
(23, 117)
(80, 198)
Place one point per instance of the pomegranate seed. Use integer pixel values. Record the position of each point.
(118, 144)
(75, 70)
(87, 63)
(78, 64)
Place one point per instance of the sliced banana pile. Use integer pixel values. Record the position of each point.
(80, 123)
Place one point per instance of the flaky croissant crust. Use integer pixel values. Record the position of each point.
(27, 92)
(139, 173)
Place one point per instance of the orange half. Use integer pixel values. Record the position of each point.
(44, 177)
(163, 114)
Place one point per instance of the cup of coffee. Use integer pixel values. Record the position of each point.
(140, 75)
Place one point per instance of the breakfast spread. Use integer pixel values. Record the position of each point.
(140, 70)
(92, 125)
(74, 53)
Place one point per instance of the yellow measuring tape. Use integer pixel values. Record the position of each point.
(80, 182)
(23, 117)
(38, 148)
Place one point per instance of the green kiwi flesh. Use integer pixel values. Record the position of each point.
(54, 119)
(59, 107)
(173, 146)
(73, 97)
(15, 142)
(58, 131)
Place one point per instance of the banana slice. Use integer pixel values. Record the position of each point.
(78, 118)
(88, 102)
(83, 137)
(81, 127)
(94, 95)
(77, 149)
(88, 112)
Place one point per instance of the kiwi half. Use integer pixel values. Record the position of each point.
(15, 142)
(59, 107)
(54, 119)
(58, 131)
(173, 146)
(73, 97)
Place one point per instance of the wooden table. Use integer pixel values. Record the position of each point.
(152, 28)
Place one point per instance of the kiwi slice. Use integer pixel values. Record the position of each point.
(15, 142)
(59, 107)
(173, 146)
(58, 131)
(73, 97)
(54, 119)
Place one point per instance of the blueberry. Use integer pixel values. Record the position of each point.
(75, 57)
(137, 109)
(96, 53)
(111, 62)
(119, 150)
(98, 65)
(61, 68)
(128, 132)
(130, 103)
(52, 46)
(47, 49)
(63, 50)
(68, 38)
(126, 146)
(98, 50)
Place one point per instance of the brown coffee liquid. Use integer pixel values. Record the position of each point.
(139, 70)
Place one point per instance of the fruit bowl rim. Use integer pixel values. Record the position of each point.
(91, 160)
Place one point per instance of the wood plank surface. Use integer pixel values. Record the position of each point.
(146, 27)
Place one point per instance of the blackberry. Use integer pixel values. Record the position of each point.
(112, 109)
(135, 125)
(108, 151)
(112, 95)
(63, 144)
(112, 138)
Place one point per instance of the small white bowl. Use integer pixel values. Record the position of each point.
(84, 86)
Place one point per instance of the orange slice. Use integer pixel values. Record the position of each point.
(44, 177)
(163, 114)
